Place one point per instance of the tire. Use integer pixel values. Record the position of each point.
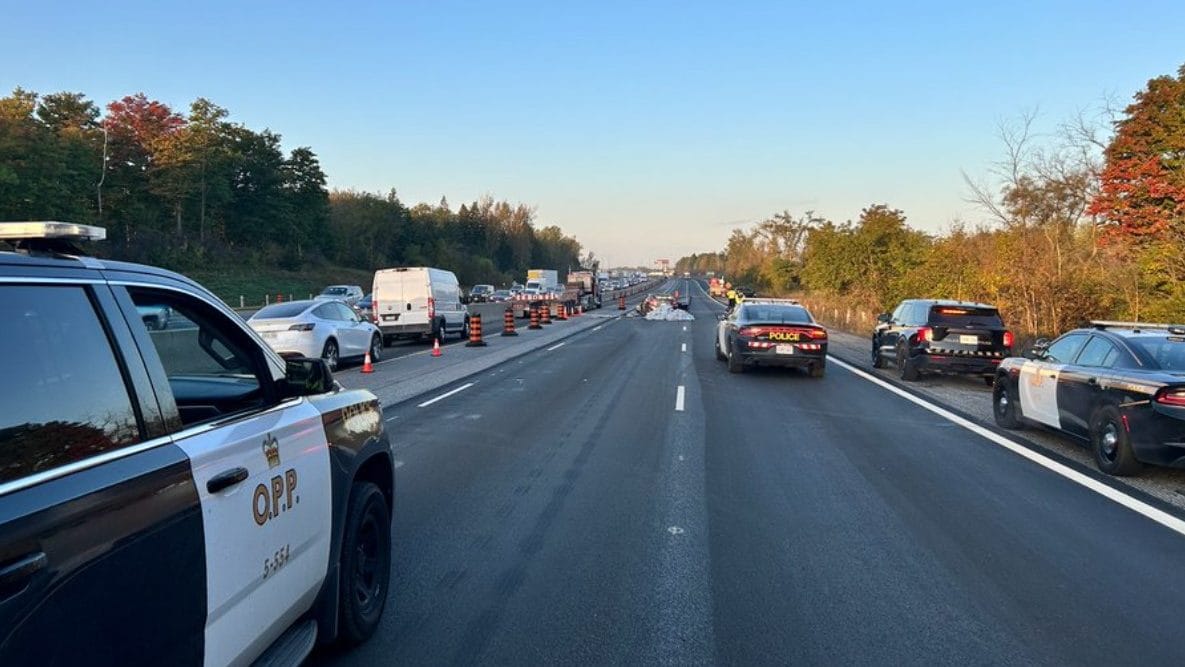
(735, 364)
(1006, 406)
(465, 329)
(989, 380)
(906, 368)
(376, 348)
(719, 353)
(331, 354)
(878, 360)
(365, 564)
(818, 370)
(1111, 443)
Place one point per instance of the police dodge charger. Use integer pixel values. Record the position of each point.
(178, 496)
(1120, 386)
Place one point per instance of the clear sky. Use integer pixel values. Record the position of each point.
(645, 129)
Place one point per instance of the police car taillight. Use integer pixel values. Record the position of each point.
(1008, 340)
(926, 334)
(1174, 397)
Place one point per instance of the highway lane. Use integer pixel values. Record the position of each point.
(561, 509)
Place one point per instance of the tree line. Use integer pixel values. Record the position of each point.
(1085, 223)
(185, 190)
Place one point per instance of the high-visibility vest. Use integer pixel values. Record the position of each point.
(732, 295)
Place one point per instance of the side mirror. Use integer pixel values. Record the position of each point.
(884, 318)
(306, 377)
(1039, 349)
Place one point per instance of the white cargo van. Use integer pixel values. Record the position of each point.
(417, 302)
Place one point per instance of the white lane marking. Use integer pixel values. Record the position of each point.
(598, 327)
(555, 347)
(679, 399)
(675, 530)
(680, 457)
(444, 395)
(397, 463)
(1159, 516)
(685, 327)
(391, 419)
(683, 348)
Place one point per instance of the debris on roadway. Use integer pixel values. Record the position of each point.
(665, 312)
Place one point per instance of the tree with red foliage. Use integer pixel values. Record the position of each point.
(1142, 194)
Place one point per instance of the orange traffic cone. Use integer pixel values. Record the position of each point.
(367, 367)
(436, 347)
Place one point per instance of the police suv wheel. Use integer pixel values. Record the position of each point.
(905, 366)
(365, 564)
(1111, 443)
(878, 361)
(1005, 406)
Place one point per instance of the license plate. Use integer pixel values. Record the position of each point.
(390, 318)
(784, 349)
(969, 340)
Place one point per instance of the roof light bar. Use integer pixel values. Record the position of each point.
(50, 229)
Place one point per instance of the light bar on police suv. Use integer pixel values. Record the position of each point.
(50, 229)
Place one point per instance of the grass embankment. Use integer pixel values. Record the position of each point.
(253, 283)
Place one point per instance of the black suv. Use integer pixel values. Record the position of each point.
(941, 336)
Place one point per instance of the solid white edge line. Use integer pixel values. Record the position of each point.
(555, 347)
(679, 399)
(598, 327)
(444, 395)
(1159, 516)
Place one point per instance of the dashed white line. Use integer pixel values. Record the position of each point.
(445, 395)
(397, 464)
(598, 327)
(391, 419)
(683, 348)
(1159, 516)
(679, 399)
(555, 347)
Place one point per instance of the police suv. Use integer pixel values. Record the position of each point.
(1120, 386)
(174, 496)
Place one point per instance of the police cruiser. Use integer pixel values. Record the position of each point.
(173, 496)
(1120, 386)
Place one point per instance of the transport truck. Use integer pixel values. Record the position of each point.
(588, 290)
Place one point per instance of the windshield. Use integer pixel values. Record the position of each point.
(335, 291)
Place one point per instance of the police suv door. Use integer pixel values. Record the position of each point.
(261, 466)
(1039, 379)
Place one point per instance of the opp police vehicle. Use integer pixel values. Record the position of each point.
(178, 496)
(771, 332)
(1120, 386)
(941, 336)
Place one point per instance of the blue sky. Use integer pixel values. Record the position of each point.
(645, 129)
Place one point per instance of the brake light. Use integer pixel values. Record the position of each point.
(431, 308)
(926, 334)
(1173, 397)
(817, 333)
(1008, 340)
(306, 326)
(750, 332)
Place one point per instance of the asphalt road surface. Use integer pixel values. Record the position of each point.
(622, 498)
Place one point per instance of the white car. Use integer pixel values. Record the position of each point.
(351, 294)
(330, 330)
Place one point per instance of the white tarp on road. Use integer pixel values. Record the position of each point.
(666, 313)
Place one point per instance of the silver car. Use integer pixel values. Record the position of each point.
(351, 294)
(318, 328)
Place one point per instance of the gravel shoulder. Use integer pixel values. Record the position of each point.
(972, 397)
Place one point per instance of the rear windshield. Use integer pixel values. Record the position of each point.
(961, 316)
(779, 314)
(1167, 351)
(479, 289)
(336, 291)
(281, 310)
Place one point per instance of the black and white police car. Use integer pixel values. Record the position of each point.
(1120, 386)
(179, 496)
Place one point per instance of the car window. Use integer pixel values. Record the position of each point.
(281, 310)
(213, 367)
(1064, 349)
(335, 291)
(1168, 352)
(964, 316)
(1098, 352)
(344, 312)
(70, 400)
(786, 314)
(325, 312)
